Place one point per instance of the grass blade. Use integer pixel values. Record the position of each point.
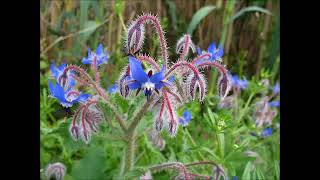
(198, 16)
(249, 9)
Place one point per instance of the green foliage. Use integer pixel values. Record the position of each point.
(249, 9)
(215, 134)
(198, 16)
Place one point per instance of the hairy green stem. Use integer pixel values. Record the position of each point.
(131, 136)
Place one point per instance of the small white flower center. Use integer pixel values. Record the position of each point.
(148, 86)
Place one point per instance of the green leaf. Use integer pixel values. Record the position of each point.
(246, 172)
(91, 166)
(89, 28)
(259, 174)
(277, 169)
(220, 137)
(173, 13)
(249, 9)
(211, 152)
(198, 16)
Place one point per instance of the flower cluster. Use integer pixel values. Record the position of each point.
(171, 85)
(65, 91)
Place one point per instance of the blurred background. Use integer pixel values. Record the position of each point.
(249, 31)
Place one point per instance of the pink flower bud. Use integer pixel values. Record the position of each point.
(135, 37)
(74, 131)
(224, 85)
(56, 170)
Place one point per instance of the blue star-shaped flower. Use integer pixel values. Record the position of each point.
(266, 132)
(216, 53)
(57, 72)
(239, 83)
(102, 58)
(146, 82)
(274, 104)
(186, 117)
(66, 97)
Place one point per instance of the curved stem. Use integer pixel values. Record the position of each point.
(215, 64)
(202, 56)
(150, 60)
(131, 135)
(95, 70)
(202, 163)
(183, 63)
(100, 92)
(163, 43)
(176, 165)
(186, 47)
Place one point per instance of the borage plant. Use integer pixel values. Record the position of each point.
(167, 86)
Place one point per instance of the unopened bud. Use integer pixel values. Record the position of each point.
(56, 170)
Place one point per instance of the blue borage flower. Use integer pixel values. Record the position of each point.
(186, 117)
(216, 53)
(266, 132)
(274, 104)
(102, 58)
(239, 83)
(66, 97)
(113, 88)
(276, 89)
(147, 82)
(57, 73)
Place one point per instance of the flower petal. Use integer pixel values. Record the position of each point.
(82, 98)
(156, 78)
(134, 85)
(54, 71)
(212, 48)
(159, 85)
(220, 51)
(199, 51)
(136, 70)
(85, 61)
(187, 115)
(99, 49)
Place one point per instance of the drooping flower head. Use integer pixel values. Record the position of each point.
(239, 83)
(186, 117)
(101, 57)
(147, 82)
(263, 113)
(66, 97)
(65, 80)
(56, 170)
